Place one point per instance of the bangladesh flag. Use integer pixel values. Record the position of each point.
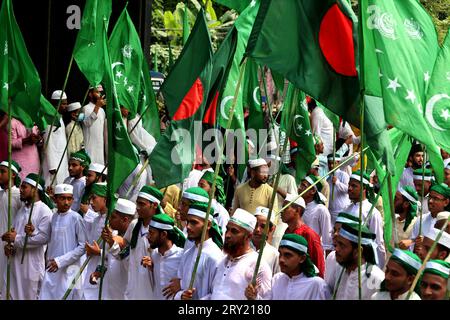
(400, 47)
(437, 107)
(122, 159)
(89, 46)
(186, 91)
(19, 80)
(295, 124)
(127, 57)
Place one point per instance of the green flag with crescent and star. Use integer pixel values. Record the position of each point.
(89, 47)
(437, 108)
(19, 80)
(400, 48)
(126, 56)
(252, 100)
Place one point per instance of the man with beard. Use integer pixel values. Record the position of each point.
(427, 176)
(235, 271)
(78, 163)
(346, 285)
(416, 159)
(211, 256)
(164, 262)
(65, 248)
(401, 270)
(434, 283)
(297, 279)
(405, 202)
(26, 277)
(255, 192)
(374, 221)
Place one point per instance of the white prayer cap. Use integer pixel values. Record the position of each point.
(442, 215)
(250, 143)
(126, 207)
(264, 212)
(64, 189)
(98, 87)
(56, 95)
(244, 219)
(73, 106)
(291, 197)
(444, 240)
(97, 167)
(257, 163)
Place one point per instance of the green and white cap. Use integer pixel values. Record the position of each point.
(196, 195)
(151, 194)
(365, 179)
(15, 167)
(344, 217)
(427, 174)
(438, 267)
(407, 259)
(164, 222)
(349, 231)
(444, 240)
(199, 209)
(244, 219)
(442, 189)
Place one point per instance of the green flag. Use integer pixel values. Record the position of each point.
(46, 115)
(238, 5)
(122, 159)
(300, 131)
(400, 43)
(437, 108)
(126, 56)
(19, 80)
(186, 91)
(252, 98)
(89, 50)
(147, 106)
(185, 24)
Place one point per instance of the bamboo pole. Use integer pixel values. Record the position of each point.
(8, 267)
(334, 161)
(422, 191)
(360, 202)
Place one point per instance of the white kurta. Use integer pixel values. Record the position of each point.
(317, 217)
(221, 216)
(116, 276)
(270, 256)
(407, 178)
(140, 137)
(234, 274)
(330, 269)
(207, 267)
(375, 225)
(348, 288)
(94, 227)
(341, 200)
(428, 223)
(66, 246)
(26, 277)
(15, 206)
(54, 153)
(385, 295)
(193, 179)
(78, 191)
(93, 132)
(322, 126)
(165, 268)
(127, 184)
(298, 288)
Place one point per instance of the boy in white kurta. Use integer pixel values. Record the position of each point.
(78, 163)
(65, 248)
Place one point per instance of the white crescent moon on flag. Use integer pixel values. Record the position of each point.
(222, 106)
(255, 97)
(115, 64)
(295, 127)
(429, 109)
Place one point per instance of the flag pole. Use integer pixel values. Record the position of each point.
(334, 161)
(8, 267)
(360, 200)
(216, 172)
(423, 190)
(391, 204)
(44, 150)
(262, 243)
(427, 257)
(136, 178)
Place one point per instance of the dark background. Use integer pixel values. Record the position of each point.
(43, 24)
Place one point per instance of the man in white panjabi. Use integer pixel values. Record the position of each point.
(65, 248)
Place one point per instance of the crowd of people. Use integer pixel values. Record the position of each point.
(151, 241)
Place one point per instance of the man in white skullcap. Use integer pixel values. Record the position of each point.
(65, 248)
(434, 282)
(270, 253)
(94, 125)
(76, 141)
(96, 173)
(255, 192)
(57, 141)
(235, 271)
(442, 249)
(338, 182)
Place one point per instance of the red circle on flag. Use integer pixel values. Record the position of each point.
(191, 102)
(336, 41)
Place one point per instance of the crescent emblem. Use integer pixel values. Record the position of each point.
(222, 106)
(430, 107)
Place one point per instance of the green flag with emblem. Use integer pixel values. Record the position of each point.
(437, 107)
(400, 48)
(19, 80)
(46, 115)
(252, 99)
(127, 57)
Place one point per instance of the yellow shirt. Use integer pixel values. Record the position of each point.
(248, 198)
(172, 195)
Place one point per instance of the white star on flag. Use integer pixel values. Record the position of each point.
(130, 89)
(5, 51)
(118, 125)
(426, 76)
(378, 51)
(308, 132)
(253, 3)
(6, 86)
(119, 74)
(411, 96)
(445, 114)
(393, 84)
(299, 127)
(125, 81)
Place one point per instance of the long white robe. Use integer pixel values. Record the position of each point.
(116, 277)
(385, 295)
(54, 153)
(127, 184)
(209, 260)
(270, 256)
(94, 133)
(15, 206)
(234, 275)
(318, 218)
(375, 225)
(321, 125)
(165, 268)
(25, 277)
(330, 269)
(341, 200)
(66, 246)
(407, 178)
(78, 191)
(298, 288)
(428, 223)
